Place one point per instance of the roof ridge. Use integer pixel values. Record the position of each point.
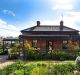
(48, 25)
(71, 28)
(30, 28)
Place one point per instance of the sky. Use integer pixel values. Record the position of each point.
(16, 15)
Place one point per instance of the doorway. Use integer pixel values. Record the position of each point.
(49, 45)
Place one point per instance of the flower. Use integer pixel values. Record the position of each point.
(75, 72)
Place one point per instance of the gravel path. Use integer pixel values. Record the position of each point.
(4, 62)
(3, 58)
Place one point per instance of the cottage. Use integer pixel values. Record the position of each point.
(50, 37)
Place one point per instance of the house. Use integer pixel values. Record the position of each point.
(50, 37)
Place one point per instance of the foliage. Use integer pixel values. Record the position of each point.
(73, 45)
(54, 55)
(21, 68)
(39, 71)
(35, 54)
(18, 72)
(76, 49)
(1, 49)
(5, 49)
(78, 62)
(30, 52)
(14, 51)
(63, 55)
(63, 69)
(29, 48)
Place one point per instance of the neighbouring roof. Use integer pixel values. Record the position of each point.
(48, 28)
(11, 39)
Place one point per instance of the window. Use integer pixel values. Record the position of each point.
(34, 43)
(65, 42)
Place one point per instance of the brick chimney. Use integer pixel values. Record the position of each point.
(38, 23)
(61, 25)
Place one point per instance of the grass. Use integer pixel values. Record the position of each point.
(50, 62)
(32, 62)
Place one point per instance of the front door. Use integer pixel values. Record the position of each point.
(49, 45)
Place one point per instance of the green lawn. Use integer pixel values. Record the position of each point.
(51, 62)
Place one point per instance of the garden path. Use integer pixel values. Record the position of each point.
(4, 62)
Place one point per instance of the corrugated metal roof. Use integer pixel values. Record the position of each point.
(51, 28)
(48, 28)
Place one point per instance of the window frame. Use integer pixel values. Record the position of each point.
(34, 43)
(65, 44)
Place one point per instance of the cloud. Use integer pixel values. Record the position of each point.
(63, 4)
(71, 19)
(74, 14)
(63, 7)
(8, 29)
(50, 22)
(8, 12)
(71, 16)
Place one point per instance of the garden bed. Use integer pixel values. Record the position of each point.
(39, 68)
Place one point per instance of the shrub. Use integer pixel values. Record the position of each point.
(62, 69)
(18, 72)
(20, 68)
(39, 71)
(60, 55)
(78, 62)
(14, 51)
(41, 65)
(34, 54)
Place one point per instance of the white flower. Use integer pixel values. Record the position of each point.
(75, 72)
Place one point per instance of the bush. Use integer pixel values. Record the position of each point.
(18, 72)
(14, 51)
(39, 71)
(78, 62)
(1, 50)
(60, 55)
(20, 68)
(62, 69)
